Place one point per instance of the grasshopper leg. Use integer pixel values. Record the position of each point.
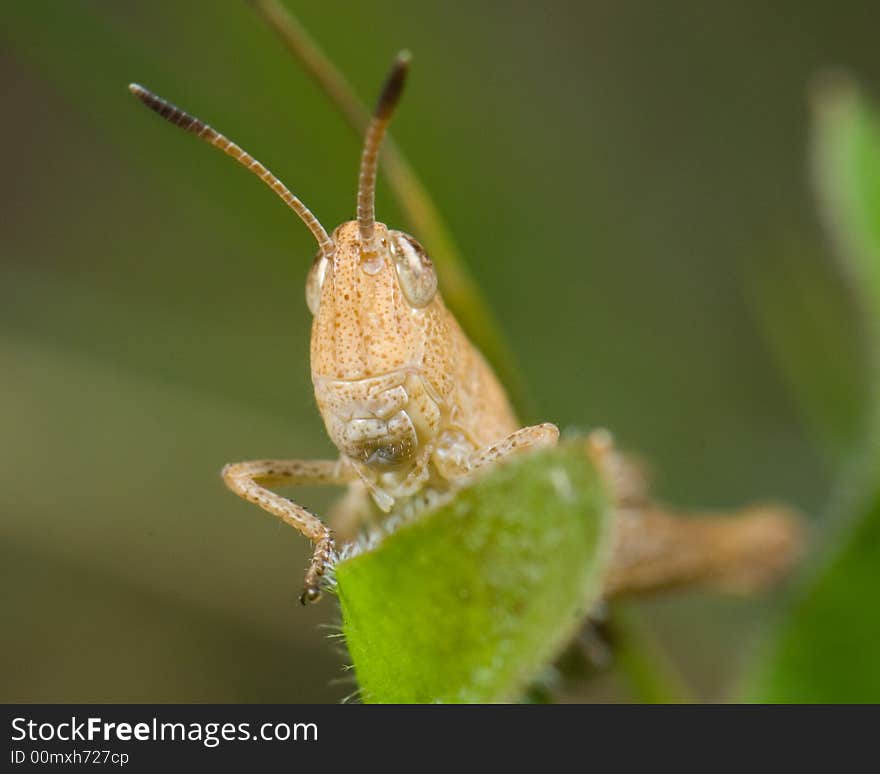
(658, 548)
(522, 440)
(250, 480)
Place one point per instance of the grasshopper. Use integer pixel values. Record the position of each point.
(416, 411)
(413, 407)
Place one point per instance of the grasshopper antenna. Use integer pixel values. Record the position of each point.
(200, 129)
(366, 198)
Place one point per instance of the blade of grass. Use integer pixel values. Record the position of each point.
(826, 650)
(649, 673)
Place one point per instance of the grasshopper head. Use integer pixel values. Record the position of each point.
(372, 291)
(378, 338)
(371, 307)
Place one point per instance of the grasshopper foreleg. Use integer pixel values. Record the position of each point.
(522, 440)
(250, 480)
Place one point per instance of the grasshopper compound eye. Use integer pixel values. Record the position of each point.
(418, 280)
(315, 281)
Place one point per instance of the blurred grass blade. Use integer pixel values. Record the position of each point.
(846, 167)
(827, 650)
(804, 315)
(846, 176)
(471, 601)
(650, 674)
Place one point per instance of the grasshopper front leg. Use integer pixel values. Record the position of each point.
(250, 480)
(523, 440)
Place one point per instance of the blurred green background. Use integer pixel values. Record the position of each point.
(627, 180)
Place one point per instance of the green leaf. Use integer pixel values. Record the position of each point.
(828, 650)
(471, 601)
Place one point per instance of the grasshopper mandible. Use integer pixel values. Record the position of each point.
(411, 404)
